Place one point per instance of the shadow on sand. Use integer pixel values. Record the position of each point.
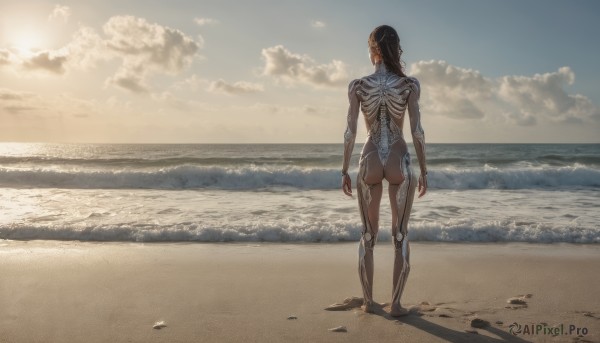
(415, 318)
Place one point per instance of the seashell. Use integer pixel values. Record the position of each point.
(339, 329)
(159, 325)
(516, 301)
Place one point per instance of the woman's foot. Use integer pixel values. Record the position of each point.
(398, 311)
(368, 307)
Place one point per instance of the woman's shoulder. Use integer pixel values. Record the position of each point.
(414, 85)
(354, 84)
(413, 80)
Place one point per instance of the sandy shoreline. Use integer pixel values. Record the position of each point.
(55, 291)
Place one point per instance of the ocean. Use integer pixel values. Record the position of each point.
(542, 193)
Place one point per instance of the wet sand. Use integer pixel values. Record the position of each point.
(59, 291)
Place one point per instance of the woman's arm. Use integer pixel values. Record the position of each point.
(352, 121)
(350, 134)
(418, 134)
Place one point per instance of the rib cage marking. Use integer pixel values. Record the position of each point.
(384, 99)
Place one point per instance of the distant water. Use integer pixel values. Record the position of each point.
(290, 193)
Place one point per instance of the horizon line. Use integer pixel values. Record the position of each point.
(265, 143)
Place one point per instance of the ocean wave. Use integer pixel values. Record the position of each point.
(259, 177)
(325, 160)
(459, 231)
(181, 177)
(167, 161)
(546, 160)
(515, 178)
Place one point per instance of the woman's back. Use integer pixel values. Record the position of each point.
(384, 97)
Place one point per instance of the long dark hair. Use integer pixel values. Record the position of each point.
(385, 40)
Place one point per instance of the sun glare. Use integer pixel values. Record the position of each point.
(28, 41)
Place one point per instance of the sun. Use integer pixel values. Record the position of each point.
(28, 41)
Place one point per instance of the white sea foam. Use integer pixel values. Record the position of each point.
(449, 231)
(543, 216)
(257, 177)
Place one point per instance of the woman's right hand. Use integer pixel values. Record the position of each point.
(347, 185)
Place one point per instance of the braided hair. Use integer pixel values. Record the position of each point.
(384, 39)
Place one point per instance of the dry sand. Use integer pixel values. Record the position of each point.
(53, 291)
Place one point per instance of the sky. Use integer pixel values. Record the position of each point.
(278, 71)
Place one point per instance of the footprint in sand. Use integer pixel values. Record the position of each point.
(415, 309)
(589, 314)
(479, 323)
(425, 306)
(347, 304)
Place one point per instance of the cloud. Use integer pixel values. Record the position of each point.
(292, 68)
(61, 13)
(545, 94)
(86, 48)
(145, 48)
(128, 81)
(452, 91)
(174, 102)
(143, 43)
(200, 41)
(240, 87)
(82, 51)
(16, 102)
(40, 106)
(47, 61)
(205, 21)
(317, 24)
(16, 109)
(309, 109)
(5, 56)
(466, 94)
(191, 83)
(10, 95)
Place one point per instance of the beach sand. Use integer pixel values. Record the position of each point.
(65, 291)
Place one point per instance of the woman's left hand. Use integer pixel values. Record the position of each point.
(422, 185)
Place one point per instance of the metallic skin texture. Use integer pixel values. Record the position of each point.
(404, 200)
(383, 98)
